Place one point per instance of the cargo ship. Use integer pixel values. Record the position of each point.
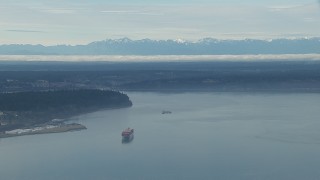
(127, 135)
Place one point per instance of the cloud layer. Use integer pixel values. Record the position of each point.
(166, 58)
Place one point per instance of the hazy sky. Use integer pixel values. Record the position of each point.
(82, 21)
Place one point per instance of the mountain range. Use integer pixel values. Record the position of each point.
(206, 46)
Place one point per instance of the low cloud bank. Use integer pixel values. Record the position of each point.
(166, 58)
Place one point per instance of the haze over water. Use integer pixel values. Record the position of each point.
(207, 136)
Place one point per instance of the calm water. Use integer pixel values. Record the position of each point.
(208, 136)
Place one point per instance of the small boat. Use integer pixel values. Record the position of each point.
(127, 134)
(166, 112)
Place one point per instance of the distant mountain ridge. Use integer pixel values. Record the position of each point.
(206, 46)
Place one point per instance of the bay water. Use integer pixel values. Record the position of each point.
(240, 136)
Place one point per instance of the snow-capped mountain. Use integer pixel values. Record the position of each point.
(206, 46)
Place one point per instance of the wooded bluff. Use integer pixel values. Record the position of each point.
(22, 109)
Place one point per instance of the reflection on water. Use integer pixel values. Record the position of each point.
(127, 140)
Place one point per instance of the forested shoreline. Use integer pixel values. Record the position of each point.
(26, 109)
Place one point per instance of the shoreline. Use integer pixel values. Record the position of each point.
(48, 129)
(58, 125)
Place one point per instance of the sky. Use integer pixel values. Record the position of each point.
(53, 22)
